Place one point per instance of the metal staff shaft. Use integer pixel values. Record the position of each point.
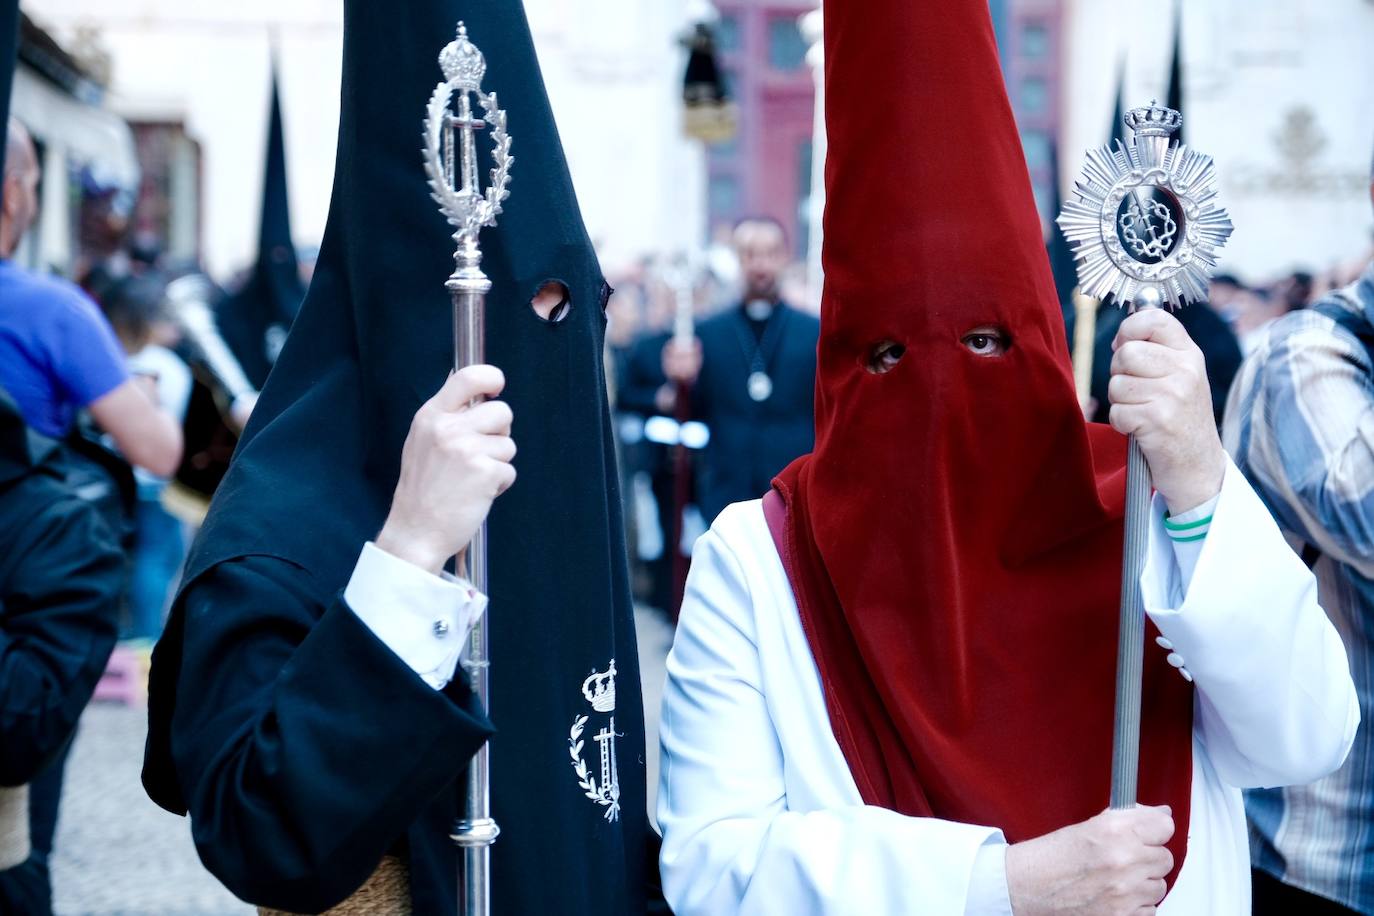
(1130, 641)
(475, 831)
(455, 186)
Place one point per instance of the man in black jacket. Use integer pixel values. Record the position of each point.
(60, 576)
(752, 374)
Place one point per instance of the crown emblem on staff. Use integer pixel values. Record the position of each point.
(463, 65)
(450, 150)
(1154, 121)
(599, 689)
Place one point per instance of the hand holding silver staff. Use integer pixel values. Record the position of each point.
(451, 164)
(1146, 228)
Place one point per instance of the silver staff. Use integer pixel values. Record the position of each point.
(1146, 229)
(456, 188)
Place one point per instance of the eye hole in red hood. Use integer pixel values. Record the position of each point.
(884, 356)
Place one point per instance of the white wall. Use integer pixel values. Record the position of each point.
(612, 71)
(1251, 67)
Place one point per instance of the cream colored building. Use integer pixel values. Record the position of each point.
(1280, 93)
(613, 70)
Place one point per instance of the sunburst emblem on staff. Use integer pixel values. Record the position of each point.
(1145, 225)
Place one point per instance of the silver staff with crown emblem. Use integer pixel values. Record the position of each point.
(1146, 228)
(450, 154)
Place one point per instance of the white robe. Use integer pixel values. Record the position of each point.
(760, 814)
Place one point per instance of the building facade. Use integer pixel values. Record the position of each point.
(766, 169)
(1030, 37)
(1280, 94)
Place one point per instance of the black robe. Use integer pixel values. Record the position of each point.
(751, 441)
(61, 574)
(301, 747)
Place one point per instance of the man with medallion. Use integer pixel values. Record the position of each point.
(752, 375)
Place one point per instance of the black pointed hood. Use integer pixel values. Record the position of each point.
(1062, 263)
(272, 294)
(1116, 133)
(315, 472)
(1173, 95)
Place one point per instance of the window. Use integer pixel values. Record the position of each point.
(805, 158)
(1035, 95)
(723, 195)
(786, 46)
(727, 34)
(1037, 147)
(1035, 41)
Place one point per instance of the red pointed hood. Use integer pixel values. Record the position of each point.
(955, 539)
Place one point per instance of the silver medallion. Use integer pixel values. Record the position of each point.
(1145, 224)
(760, 386)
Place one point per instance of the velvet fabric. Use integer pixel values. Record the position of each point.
(954, 541)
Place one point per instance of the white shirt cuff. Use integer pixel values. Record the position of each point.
(1188, 543)
(987, 888)
(425, 619)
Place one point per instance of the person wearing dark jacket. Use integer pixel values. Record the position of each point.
(641, 384)
(306, 705)
(61, 573)
(752, 374)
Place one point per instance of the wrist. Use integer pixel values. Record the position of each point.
(1019, 866)
(1200, 488)
(396, 540)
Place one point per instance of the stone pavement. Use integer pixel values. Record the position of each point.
(118, 854)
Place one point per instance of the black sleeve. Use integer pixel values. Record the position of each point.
(643, 376)
(58, 610)
(304, 746)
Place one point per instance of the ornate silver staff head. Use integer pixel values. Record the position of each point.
(451, 149)
(1145, 224)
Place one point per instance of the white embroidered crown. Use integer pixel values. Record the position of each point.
(599, 689)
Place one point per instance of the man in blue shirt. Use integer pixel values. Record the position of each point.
(58, 354)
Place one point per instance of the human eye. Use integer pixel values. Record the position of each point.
(987, 341)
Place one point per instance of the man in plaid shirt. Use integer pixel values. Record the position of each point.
(1300, 425)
